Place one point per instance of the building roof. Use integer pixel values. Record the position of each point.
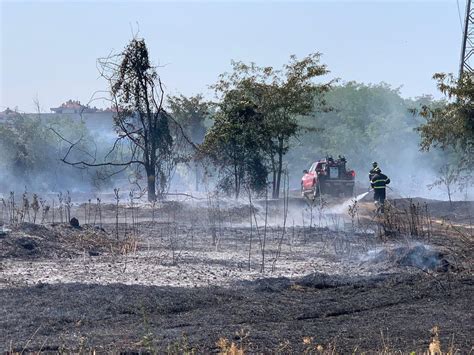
(74, 106)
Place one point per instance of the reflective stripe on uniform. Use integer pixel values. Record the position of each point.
(379, 187)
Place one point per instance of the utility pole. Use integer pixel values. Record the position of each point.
(467, 51)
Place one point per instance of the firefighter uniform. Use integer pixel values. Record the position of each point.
(373, 171)
(378, 183)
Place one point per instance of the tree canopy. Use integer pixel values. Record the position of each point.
(279, 96)
(31, 153)
(451, 126)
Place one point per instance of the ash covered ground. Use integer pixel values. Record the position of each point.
(180, 275)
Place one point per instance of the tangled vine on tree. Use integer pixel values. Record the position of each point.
(141, 123)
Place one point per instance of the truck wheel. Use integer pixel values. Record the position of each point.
(316, 191)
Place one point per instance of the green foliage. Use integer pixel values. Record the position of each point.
(451, 126)
(364, 122)
(191, 117)
(31, 152)
(191, 113)
(367, 123)
(232, 145)
(280, 97)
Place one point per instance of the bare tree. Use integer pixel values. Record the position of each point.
(448, 177)
(145, 130)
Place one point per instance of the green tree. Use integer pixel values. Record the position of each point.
(230, 144)
(368, 122)
(281, 96)
(191, 113)
(451, 126)
(365, 123)
(31, 153)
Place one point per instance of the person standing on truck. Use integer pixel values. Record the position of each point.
(378, 182)
(375, 165)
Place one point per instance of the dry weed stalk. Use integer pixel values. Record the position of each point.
(53, 211)
(35, 206)
(180, 347)
(4, 207)
(284, 347)
(68, 205)
(286, 196)
(99, 210)
(153, 207)
(12, 208)
(129, 245)
(61, 206)
(117, 200)
(311, 347)
(131, 196)
(414, 220)
(251, 216)
(215, 219)
(354, 213)
(260, 231)
(26, 207)
(44, 210)
(435, 344)
(386, 349)
(264, 237)
(226, 347)
(174, 240)
(89, 207)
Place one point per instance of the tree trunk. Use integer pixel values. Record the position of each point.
(237, 181)
(274, 170)
(279, 169)
(448, 187)
(274, 194)
(151, 183)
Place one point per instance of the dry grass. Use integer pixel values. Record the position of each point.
(312, 347)
(227, 347)
(129, 246)
(239, 347)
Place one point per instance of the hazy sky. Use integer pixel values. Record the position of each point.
(49, 49)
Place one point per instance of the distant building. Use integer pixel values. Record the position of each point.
(73, 106)
(97, 120)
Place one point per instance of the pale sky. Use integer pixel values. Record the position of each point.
(49, 49)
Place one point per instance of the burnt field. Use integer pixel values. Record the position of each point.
(219, 276)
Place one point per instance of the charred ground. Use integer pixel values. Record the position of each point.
(181, 276)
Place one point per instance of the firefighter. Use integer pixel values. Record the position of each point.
(378, 182)
(375, 165)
